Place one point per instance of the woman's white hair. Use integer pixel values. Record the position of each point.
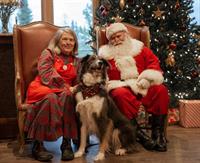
(53, 44)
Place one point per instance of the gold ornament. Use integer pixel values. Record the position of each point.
(158, 13)
(122, 4)
(170, 61)
(198, 43)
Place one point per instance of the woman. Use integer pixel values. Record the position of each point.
(51, 112)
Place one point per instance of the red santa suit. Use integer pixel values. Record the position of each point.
(124, 74)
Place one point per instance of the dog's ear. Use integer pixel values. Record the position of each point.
(105, 67)
(84, 59)
(82, 67)
(105, 62)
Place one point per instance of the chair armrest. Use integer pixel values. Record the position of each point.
(18, 93)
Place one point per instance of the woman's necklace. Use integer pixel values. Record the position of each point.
(67, 61)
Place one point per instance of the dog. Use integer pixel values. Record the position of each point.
(98, 113)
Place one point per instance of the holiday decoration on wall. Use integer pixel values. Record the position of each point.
(174, 39)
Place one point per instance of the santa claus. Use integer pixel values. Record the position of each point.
(135, 82)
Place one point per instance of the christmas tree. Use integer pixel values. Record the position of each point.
(175, 38)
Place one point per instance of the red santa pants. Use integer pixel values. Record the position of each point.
(156, 101)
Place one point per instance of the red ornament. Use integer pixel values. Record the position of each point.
(172, 46)
(195, 74)
(177, 6)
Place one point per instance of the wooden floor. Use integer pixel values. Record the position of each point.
(183, 147)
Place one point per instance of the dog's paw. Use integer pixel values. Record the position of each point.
(83, 105)
(99, 156)
(120, 152)
(78, 154)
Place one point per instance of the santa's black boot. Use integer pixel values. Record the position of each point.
(142, 137)
(158, 132)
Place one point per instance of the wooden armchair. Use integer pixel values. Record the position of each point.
(29, 41)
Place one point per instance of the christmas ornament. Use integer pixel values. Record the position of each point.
(103, 10)
(170, 61)
(121, 4)
(195, 74)
(158, 13)
(142, 23)
(198, 43)
(177, 6)
(172, 46)
(118, 19)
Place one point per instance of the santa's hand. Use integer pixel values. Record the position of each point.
(143, 83)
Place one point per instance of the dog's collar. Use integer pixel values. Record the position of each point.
(89, 91)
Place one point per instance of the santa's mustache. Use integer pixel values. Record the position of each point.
(123, 48)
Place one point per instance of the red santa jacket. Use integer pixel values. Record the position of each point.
(138, 63)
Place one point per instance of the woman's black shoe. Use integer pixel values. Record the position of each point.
(67, 152)
(40, 153)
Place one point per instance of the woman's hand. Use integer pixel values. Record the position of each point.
(73, 89)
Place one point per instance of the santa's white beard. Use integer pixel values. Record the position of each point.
(123, 49)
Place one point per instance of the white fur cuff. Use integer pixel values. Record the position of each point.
(155, 77)
(112, 84)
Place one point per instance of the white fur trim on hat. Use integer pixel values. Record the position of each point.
(115, 27)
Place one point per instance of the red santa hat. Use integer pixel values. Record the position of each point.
(115, 27)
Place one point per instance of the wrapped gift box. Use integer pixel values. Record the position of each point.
(173, 116)
(189, 113)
